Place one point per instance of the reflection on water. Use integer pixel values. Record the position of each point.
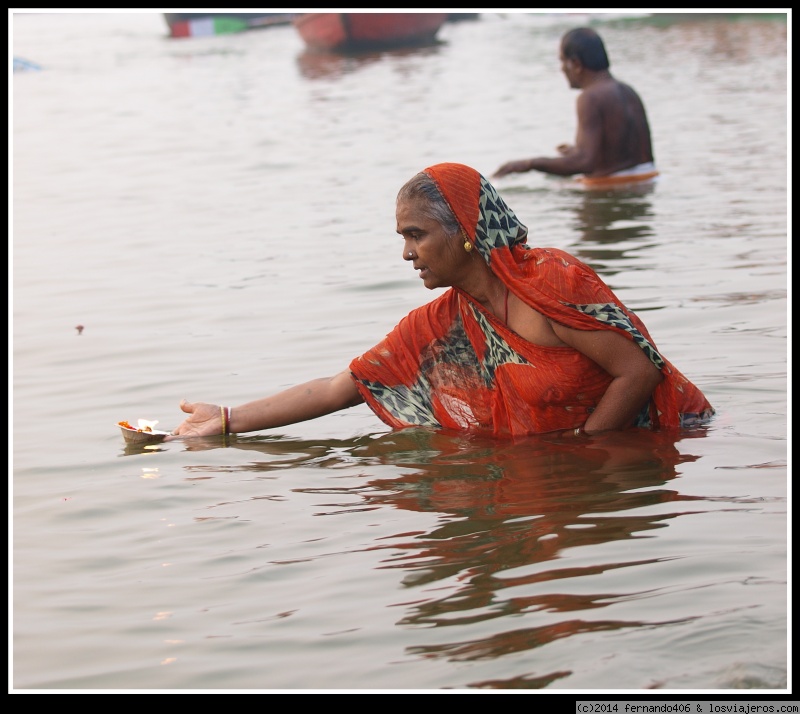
(511, 523)
(612, 223)
(512, 517)
(517, 503)
(325, 65)
(616, 215)
(315, 64)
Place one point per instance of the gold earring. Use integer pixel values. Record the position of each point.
(467, 246)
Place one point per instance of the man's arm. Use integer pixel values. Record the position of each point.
(580, 158)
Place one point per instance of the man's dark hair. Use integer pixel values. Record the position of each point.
(585, 45)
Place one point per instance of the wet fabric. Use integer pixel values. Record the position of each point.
(451, 364)
(636, 174)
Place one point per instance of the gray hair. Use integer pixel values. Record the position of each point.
(423, 188)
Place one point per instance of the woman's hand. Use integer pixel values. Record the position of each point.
(575, 433)
(299, 403)
(203, 420)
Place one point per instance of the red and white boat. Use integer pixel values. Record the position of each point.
(349, 31)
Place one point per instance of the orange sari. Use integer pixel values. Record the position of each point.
(450, 364)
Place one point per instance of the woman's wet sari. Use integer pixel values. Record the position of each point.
(451, 364)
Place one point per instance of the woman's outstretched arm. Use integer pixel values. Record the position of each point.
(299, 403)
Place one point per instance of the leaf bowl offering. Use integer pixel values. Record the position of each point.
(143, 433)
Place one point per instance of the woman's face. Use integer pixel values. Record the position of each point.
(438, 256)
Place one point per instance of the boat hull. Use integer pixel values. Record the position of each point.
(335, 31)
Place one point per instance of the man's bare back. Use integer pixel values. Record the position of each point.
(613, 132)
(615, 111)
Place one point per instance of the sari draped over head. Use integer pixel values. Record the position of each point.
(451, 364)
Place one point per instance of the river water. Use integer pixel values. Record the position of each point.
(217, 214)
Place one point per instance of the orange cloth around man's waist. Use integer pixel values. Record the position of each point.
(636, 174)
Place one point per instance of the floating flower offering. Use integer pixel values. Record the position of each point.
(143, 433)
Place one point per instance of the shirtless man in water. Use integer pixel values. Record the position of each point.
(613, 133)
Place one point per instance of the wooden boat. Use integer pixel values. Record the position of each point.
(204, 24)
(349, 31)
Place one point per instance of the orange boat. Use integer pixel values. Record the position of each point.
(347, 31)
